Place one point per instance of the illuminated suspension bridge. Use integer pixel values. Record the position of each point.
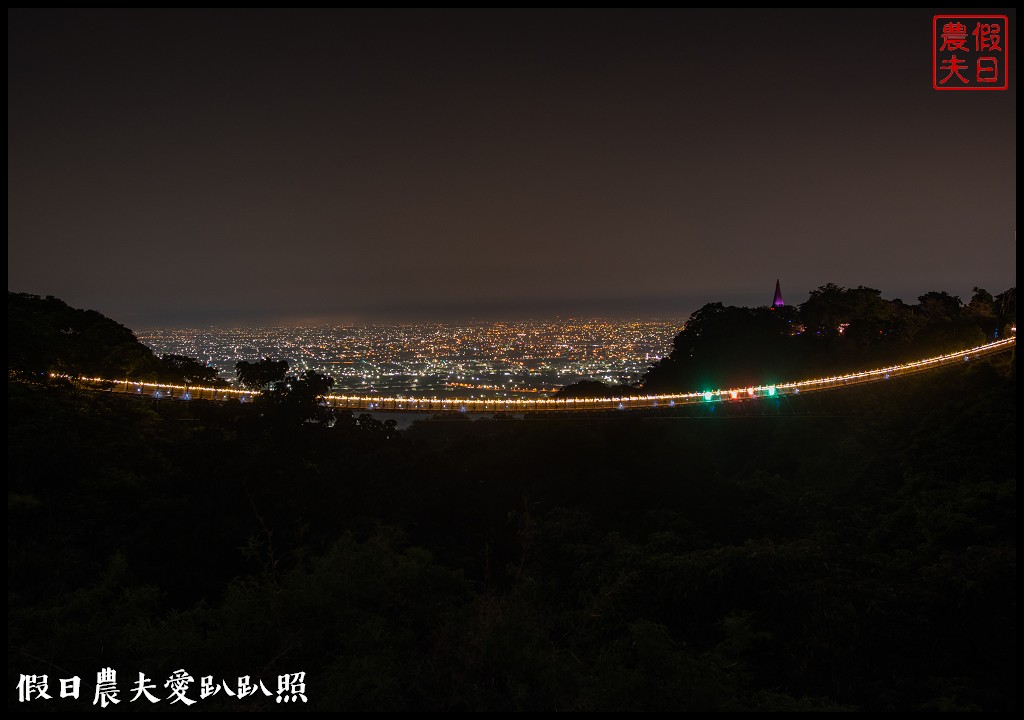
(562, 405)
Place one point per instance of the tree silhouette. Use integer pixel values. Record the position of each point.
(262, 374)
(723, 345)
(132, 362)
(46, 335)
(298, 399)
(188, 371)
(939, 306)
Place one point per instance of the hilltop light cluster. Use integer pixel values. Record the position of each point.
(470, 360)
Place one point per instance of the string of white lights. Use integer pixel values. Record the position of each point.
(630, 402)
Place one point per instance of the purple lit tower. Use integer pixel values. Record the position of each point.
(778, 301)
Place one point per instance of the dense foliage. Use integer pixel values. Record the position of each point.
(836, 330)
(46, 336)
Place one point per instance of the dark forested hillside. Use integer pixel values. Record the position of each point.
(859, 556)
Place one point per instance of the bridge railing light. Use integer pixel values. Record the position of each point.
(639, 401)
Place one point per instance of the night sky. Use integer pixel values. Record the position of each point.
(197, 167)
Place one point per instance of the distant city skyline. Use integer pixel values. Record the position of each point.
(222, 167)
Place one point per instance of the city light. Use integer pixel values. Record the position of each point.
(519, 359)
(519, 405)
